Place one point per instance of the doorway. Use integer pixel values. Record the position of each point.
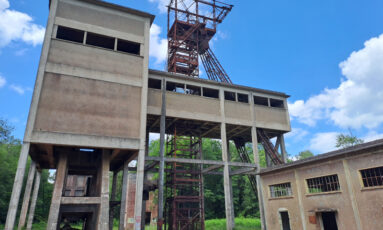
(329, 221)
(285, 220)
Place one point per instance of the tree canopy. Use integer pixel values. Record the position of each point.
(344, 140)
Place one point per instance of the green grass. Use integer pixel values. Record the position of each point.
(240, 224)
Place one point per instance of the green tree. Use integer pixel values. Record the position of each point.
(344, 140)
(305, 154)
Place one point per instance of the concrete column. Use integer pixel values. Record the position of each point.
(17, 186)
(300, 202)
(124, 197)
(227, 181)
(113, 198)
(103, 218)
(160, 218)
(57, 192)
(34, 200)
(27, 195)
(283, 149)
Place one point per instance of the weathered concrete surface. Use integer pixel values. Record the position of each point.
(34, 200)
(27, 195)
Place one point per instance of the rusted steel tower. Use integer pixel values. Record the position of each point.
(191, 25)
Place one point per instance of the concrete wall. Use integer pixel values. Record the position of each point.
(208, 109)
(358, 204)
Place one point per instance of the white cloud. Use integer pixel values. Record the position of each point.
(161, 5)
(2, 79)
(158, 46)
(18, 26)
(371, 136)
(323, 142)
(357, 101)
(296, 134)
(19, 89)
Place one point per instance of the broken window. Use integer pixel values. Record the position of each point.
(175, 87)
(372, 177)
(280, 190)
(276, 103)
(128, 47)
(230, 96)
(70, 34)
(194, 90)
(213, 93)
(100, 40)
(154, 83)
(261, 101)
(323, 184)
(243, 98)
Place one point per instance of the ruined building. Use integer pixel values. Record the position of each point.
(95, 102)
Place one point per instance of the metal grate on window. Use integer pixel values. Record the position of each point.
(323, 184)
(280, 190)
(372, 177)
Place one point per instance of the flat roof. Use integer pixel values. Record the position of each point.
(119, 8)
(223, 84)
(354, 150)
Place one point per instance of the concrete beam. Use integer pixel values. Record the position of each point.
(80, 200)
(124, 194)
(242, 171)
(17, 185)
(103, 218)
(211, 168)
(199, 161)
(113, 198)
(34, 200)
(27, 195)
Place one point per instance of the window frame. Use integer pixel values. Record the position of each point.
(361, 178)
(288, 195)
(322, 192)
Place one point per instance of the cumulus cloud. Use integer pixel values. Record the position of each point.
(18, 26)
(296, 134)
(2, 81)
(158, 46)
(323, 142)
(19, 89)
(357, 101)
(161, 5)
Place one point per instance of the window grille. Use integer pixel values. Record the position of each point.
(280, 190)
(323, 184)
(372, 177)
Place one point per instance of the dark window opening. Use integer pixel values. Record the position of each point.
(175, 87)
(128, 47)
(323, 184)
(276, 103)
(70, 34)
(100, 41)
(285, 220)
(372, 177)
(261, 101)
(213, 93)
(194, 90)
(329, 221)
(154, 83)
(230, 96)
(148, 216)
(243, 98)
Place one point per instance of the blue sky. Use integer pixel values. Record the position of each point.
(326, 54)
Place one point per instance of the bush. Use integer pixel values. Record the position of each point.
(240, 224)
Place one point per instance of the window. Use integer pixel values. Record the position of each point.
(323, 184)
(175, 87)
(128, 47)
(261, 101)
(213, 93)
(276, 103)
(100, 40)
(243, 98)
(329, 221)
(154, 83)
(194, 90)
(70, 34)
(372, 177)
(280, 190)
(230, 96)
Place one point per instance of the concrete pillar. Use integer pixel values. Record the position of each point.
(124, 197)
(113, 198)
(160, 219)
(27, 195)
(283, 149)
(103, 218)
(17, 186)
(34, 200)
(300, 199)
(227, 181)
(57, 192)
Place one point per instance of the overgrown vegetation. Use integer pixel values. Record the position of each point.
(240, 224)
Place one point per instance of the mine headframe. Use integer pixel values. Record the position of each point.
(191, 25)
